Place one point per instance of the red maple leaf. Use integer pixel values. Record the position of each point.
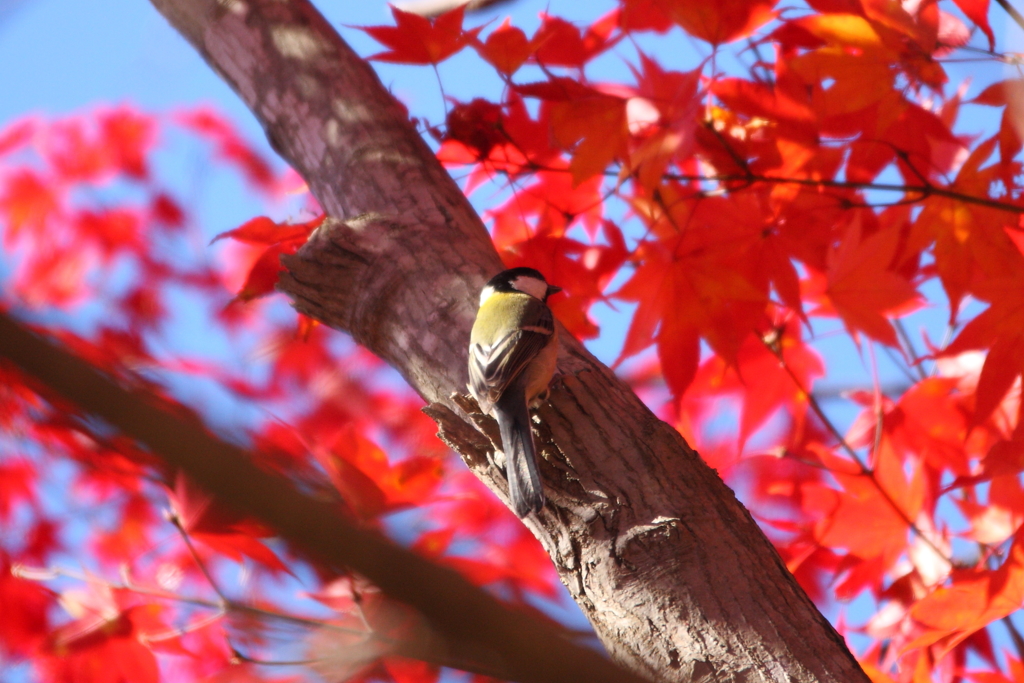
(977, 11)
(223, 531)
(25, 606)
(506, 48)
(264, 272)
(559, 43)
(417, 40)
(1000, 329)
(107, 642)
(760, 378)
(862, 288)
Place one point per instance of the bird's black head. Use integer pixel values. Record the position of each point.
(528, 280)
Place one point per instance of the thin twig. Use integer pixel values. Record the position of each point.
(817, 409)
(900, 363)
(1001, 56)
(946, 337)
(908, 348)
(444, 98)
(904, 156)
(1012, 11)
(184, 630)
(923, 191)
(228, 606)
(776, 350)
(242, 657)
(176, 521)
(876, 443)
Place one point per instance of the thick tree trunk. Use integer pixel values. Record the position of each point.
(670, 568)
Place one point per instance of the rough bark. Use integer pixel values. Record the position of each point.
(673, 573)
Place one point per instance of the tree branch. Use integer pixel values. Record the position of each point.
(530, 650)
(923, 192)
(672, 571)
(1012, 11)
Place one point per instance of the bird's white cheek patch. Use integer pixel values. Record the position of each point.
(531, 285)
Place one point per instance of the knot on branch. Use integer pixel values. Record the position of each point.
(473, 442)
(345, 273)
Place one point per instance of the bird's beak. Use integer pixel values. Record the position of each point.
(553, 290)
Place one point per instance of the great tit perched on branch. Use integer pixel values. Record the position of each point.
(512, 353)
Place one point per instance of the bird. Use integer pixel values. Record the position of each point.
(512, 352)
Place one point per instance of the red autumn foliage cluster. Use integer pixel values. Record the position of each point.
(106, 555)
(731, 212)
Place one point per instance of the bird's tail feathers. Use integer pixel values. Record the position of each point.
(524, 483)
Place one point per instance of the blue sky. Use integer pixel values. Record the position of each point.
(61, 56)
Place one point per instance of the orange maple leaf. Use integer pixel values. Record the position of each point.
(719, 22)
(28, 202)
(974, 600)
(369, 483)
(869, 523)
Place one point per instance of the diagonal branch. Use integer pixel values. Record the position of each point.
(672, 571)
(525, 647)
(921, 192)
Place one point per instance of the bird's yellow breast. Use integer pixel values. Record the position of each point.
(501, 311)
(495, 315)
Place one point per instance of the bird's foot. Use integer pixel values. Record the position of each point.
(540, 398)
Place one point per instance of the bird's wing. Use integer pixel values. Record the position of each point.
(492, 368)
